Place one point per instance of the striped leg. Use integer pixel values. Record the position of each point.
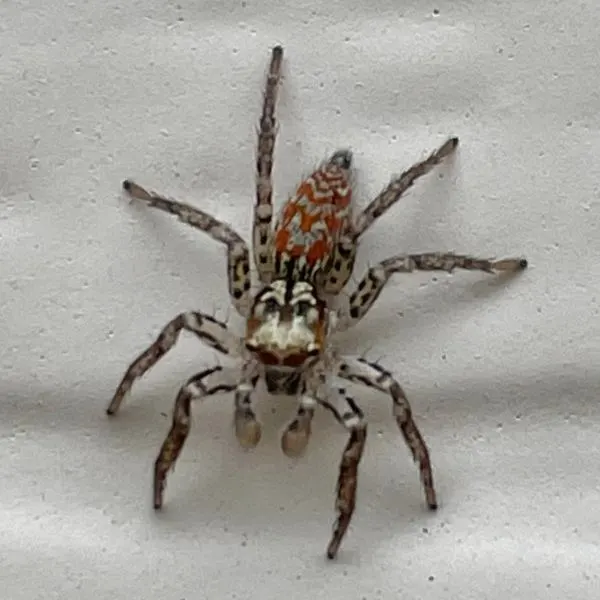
(204, 384)
(351, 417)
(345, 252)
(374, 281)
(263, 209)
(238, 255)
(399, 185)
(372, 375)
(209, 330)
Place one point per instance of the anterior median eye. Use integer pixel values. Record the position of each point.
(271, 305)
(301, 308)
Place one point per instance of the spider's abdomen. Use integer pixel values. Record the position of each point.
(311, 222)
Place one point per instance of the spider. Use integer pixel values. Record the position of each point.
(303, 264)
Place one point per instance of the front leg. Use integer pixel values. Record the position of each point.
(372, 375)
(351, 417)
(210, 331)
(263, 209)
(204, 384)
(238, 255)
(374, 281)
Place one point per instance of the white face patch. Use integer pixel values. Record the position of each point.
(284, 336)
(294, 332)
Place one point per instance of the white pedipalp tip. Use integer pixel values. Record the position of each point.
(308, 402)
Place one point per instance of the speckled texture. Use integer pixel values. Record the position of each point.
(503, 377)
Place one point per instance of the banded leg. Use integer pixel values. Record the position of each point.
(399, 185)
(360, 370)
(209, 330)
(238, 255)
(345, 252)
(352, 419)
(374, 281)
(208, 382)
(263, 209)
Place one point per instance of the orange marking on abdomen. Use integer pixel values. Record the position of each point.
(311, 220)
(282, 238)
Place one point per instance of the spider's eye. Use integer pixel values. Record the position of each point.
(301, 308)
(271, 305)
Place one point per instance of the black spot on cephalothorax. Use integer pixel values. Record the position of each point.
(303, 271)
(290, 281)
(345, 252)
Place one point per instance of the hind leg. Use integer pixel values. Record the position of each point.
(263, 209)
(344, 253)
(399, 185)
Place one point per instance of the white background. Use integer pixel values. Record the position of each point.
(503, 376)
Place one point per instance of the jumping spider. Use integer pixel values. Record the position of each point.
(303, 263)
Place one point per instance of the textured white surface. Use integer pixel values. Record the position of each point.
(503, 377)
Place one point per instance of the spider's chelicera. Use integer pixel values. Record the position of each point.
(303, 263)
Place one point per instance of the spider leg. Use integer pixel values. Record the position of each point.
(359, 370)
(263, 209)
(374, 281)
(211, 331)
(352, 418)
(204, 384)
(344, 253)
(347, 246)
(396, 188)
(238, 255)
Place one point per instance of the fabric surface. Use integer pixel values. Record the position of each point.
(502, 374)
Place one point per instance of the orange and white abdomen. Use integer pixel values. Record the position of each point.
(312, 220)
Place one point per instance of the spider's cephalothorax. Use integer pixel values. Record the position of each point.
(286, 327)
(306, 258)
